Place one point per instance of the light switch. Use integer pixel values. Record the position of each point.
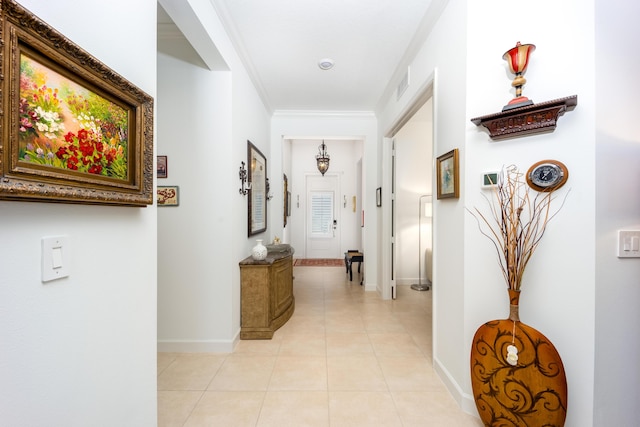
(628, 243)
(55, 258)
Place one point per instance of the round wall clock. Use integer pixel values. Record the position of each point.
(547, 175)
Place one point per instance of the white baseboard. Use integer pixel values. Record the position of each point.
(464, 400)
(406, 281)
(197, 346)
(410, 281)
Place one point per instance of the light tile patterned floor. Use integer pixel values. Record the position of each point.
(345, 358)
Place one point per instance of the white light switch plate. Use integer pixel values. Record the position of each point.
(628, 243)
(55, 258)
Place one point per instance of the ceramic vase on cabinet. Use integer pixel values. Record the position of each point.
(259, 251)
(517, 375)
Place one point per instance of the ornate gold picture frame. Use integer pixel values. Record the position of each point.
(72, 129)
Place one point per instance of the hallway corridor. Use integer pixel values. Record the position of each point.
(345, 358)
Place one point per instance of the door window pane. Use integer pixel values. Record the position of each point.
(321, 213)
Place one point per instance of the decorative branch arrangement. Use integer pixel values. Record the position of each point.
(516, 224)
(517, 375)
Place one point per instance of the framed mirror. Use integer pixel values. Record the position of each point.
(285, 198)
(257, 202)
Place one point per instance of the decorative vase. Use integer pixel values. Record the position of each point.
(517, 375)
(259, 251)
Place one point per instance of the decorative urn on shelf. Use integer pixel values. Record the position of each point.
(521, 116)
(259, 251)
(518, 59)
(517, 375)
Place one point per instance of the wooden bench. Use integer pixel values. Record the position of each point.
(350, 257)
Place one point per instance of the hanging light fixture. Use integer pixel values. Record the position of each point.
(322, 158)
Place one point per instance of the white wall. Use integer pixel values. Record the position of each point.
(345, 155)
(441, 61)
(205, 120)
(194, 130)
(558, 287)
(617, 318)
(82, 350)
(348, 126)
(563, 279)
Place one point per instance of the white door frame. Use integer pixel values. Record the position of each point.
(394, 212)
(387, 282)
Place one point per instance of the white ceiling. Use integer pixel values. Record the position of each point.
(281, 42)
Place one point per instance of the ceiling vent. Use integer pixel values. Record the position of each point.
(404, 84)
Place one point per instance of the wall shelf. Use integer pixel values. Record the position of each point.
(527, 120)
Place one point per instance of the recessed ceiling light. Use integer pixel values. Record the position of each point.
(326, 64)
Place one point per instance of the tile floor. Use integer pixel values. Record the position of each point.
(345, 358)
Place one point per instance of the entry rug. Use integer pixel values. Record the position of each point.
(318, 262)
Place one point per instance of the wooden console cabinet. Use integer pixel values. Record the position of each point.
(266, 293)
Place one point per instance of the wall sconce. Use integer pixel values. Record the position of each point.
(269, 196)
(518, 59)
(322, 158)
(345, 201)
(244, 185)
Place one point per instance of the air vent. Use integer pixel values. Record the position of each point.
(404, 84)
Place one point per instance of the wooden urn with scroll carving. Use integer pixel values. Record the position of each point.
(517, 375)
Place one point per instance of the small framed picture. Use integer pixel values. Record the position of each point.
(379, 196)
(447, 175)
(168, 195)
(161, 168)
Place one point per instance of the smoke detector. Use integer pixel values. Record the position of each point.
(326, 64)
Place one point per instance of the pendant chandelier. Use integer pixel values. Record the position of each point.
(322, 158)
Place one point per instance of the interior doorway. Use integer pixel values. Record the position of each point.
(400, 257)
(413, 187)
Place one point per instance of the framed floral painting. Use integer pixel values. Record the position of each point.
(447, 175)
(74, 131)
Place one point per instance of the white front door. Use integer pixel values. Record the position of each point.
(322, 222)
